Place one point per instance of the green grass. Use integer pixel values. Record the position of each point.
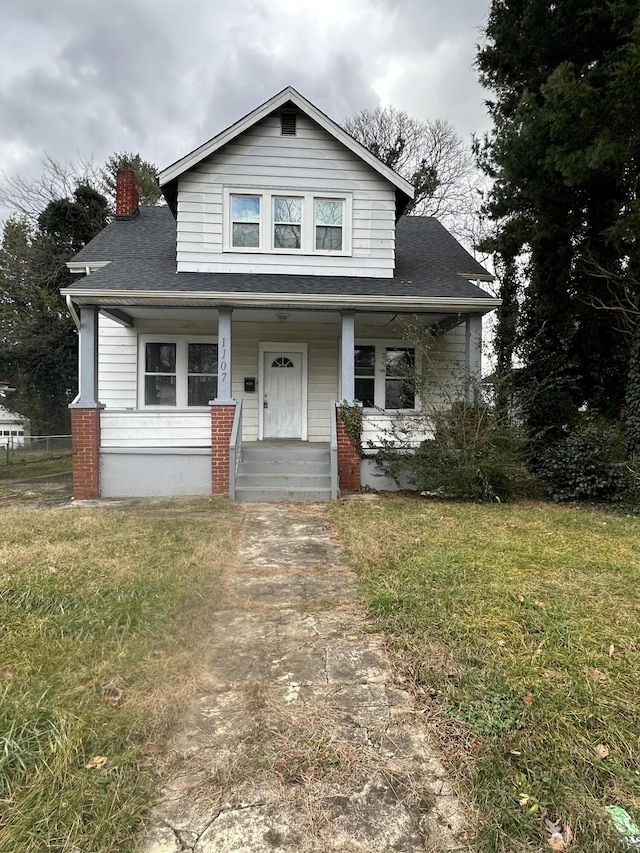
(103, 616)
(27, 468)
(520, 626)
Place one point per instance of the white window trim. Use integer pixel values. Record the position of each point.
(308, 229)
(379, 371)
(181, 342)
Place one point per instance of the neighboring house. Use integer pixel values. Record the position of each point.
(13, 427)
(276, 281)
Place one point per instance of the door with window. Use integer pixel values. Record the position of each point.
(282, 394)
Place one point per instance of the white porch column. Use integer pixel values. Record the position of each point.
(474, 355)
(224, 356)
(348, 343)
(88, 358)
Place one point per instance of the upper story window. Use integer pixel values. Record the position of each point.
(329, 224)
(275, 222)
(245, 221)
(287, 223)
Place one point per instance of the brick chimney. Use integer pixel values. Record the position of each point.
(127, 194)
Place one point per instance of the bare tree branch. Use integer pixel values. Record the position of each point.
(432, 157)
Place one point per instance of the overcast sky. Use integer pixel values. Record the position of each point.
(86, 78)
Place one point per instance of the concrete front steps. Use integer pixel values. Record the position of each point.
(284, 471)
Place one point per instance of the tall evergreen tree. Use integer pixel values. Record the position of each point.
(565, 157)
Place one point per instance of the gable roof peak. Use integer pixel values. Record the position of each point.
(287, 96)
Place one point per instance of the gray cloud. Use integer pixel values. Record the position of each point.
(82, 78)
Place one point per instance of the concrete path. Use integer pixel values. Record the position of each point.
(306, 742)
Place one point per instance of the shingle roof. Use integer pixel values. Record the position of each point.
(429, 263)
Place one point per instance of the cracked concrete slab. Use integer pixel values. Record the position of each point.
(305, 740)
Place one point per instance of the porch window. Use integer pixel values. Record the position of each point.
(160, 374)
(202, 379)
(178, 372)
(383, 375)
(399, 390)
(364, 373)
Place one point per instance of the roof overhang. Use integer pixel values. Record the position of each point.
(403, 304)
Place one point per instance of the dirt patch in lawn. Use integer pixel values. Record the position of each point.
(38, 492)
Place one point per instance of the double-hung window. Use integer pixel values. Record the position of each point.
(365, 375)
(287, 222)
(303, 222)
(245, 221)
(177, 372)
(399, 382)
(384, 375)
(329, 218)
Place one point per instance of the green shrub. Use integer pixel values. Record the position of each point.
(473, 455)
(587, 464)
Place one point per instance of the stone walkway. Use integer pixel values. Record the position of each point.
(305, 741)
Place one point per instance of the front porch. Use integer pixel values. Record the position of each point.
(276, 376)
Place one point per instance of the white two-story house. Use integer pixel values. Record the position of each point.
(218, 331)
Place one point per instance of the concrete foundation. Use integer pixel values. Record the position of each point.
(155, 472)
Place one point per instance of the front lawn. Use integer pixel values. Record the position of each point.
(520, 627)
(103, 616)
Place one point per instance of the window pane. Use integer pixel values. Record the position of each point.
(287, 210)
(328, 212)
(246, 235)
(203, 358)
(399, 394)
(364, 391)
(329, 239)
(400, 361)
(286, 236)
(245, 208)
(160, 358)
(364, 361)
(201, 389)
(160, 390)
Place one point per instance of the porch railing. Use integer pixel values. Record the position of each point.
(333, 450)
(235, 449)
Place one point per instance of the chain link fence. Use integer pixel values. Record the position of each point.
(33, 448)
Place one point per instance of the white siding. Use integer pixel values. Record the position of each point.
(155, 429)
(117, 355)
(263, 159)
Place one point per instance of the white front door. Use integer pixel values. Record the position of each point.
(282, 395)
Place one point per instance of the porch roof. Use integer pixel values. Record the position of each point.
(135, 259)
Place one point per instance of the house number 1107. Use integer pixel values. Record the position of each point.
(222, 361)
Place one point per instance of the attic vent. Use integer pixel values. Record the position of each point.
(288, 124)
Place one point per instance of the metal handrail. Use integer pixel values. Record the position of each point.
(333, 450)
(235, 449)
